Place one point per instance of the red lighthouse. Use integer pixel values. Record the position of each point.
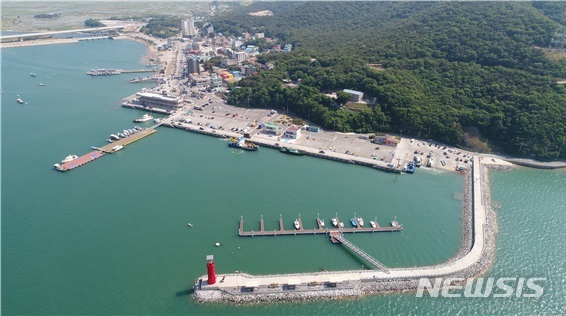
(210, 269)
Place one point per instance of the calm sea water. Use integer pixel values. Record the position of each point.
(111, 237)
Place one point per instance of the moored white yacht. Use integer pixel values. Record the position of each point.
(146, 117)
(334, 222)
(297, 225)
(69, 158)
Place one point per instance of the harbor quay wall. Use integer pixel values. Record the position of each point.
(473, 259)
(274, 144)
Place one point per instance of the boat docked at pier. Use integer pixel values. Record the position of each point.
(104, 72)
(296, 223)
(291, 151)
(411, 167)
(321, 222)
(335, 222)
(353, 221)
(69, 158)
(361, 221)
(241, 143)
(146, 117)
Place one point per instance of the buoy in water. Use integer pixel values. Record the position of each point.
(217, 244)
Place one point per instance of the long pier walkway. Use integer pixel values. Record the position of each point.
(109, 149)
(319, 230)
(360, 252)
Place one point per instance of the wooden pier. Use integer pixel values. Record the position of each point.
(91, 156)
(314, 231)
(106, 149)
(109, 149)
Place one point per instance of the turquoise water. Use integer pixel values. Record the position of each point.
(111, 237)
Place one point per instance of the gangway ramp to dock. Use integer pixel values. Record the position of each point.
(360, 252)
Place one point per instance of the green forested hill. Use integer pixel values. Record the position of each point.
(465, 73)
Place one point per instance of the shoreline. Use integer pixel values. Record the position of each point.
(152, 53)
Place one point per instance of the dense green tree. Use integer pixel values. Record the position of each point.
(449, 71)
(93, 23)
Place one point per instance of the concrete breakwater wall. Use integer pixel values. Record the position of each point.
(473, 259)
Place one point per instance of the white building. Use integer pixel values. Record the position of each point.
(158, 100)
(272, 129)
(200, 81)
(293, 132)
(355, 96)
(239, 56)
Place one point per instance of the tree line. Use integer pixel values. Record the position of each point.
(450, 71)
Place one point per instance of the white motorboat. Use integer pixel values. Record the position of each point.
(297, 225)
(334, 222)
(394, 223)
(117, 148)
(20, 101)
(69, 158)
(361, 221)
(321, 222)
(373, 224)
(341, 224)
(146, 117)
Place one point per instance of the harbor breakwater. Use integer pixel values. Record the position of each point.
(473, 259)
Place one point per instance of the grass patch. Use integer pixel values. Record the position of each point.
(357, 107)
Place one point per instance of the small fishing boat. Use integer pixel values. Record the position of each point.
(321, 222)
(69, 158)
(144, 118)
(334, 222)
(353, 221)
(373, 224)
(296, 223)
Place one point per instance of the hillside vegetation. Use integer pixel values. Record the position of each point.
(463, 73)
